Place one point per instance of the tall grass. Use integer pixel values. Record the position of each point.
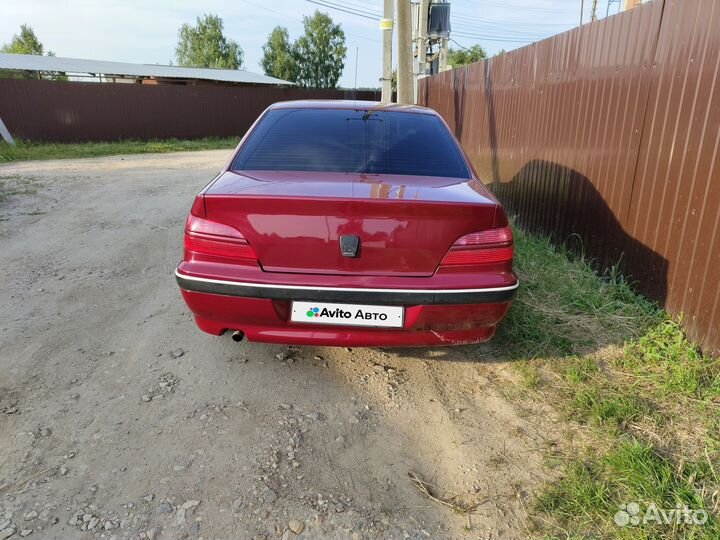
(27, 150)
(564, 307)
(611, 360)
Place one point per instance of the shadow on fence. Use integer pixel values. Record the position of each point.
(551, 199)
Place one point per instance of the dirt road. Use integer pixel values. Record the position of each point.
(120, 419)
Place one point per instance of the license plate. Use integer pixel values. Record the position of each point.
(347, 314)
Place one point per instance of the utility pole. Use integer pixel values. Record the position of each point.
(593, 11)
(357, 53)
(386, 25)
(405, 56)
(442, 60)
(421, 44)
(582, 8)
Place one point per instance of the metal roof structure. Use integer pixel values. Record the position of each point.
(31, 62)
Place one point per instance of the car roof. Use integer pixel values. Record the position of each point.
(350, 104)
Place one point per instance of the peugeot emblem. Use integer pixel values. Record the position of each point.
(349, 245)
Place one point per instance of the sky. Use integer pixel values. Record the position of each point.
(145, 31)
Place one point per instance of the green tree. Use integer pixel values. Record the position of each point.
(461, 57)
(320, 52)
(205, 45)
(279, 58)
(26, 42)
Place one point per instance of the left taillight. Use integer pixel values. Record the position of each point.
(207, 237)
(491, 246)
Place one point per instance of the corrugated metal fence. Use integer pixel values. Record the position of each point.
(71, 112)
(607, 136)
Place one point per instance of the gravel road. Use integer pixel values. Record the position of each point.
(120, 419)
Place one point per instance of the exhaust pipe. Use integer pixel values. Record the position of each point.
(238, 336)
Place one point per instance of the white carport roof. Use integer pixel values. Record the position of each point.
(102, 67)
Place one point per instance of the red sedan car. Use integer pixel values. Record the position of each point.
(348, 223)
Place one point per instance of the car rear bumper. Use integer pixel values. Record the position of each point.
(262, 312)
(366, 295)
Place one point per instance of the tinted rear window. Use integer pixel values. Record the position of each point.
(373, 142)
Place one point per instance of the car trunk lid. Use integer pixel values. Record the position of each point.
(294, 221)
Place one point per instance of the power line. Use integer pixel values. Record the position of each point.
(516, 7)
(486, 39)
(473, 27)
(351, 12)
(352, 7)
(499, 32)
(461, 46)
(489, 37)
(611, 2)
(487, 29)
(456, 14)
(504, 25)
(265, 8)
(361, 6)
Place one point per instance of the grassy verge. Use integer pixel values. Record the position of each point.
(648, 399)
(25, 150)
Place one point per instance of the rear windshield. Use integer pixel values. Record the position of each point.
(373, 142)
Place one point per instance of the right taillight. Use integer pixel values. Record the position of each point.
(206, 237)
(484, 247)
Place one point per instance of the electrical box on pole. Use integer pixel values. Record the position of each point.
(420, 25)
(431, 36)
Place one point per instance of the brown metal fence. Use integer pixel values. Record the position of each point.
(607, 136)
(75, 111)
